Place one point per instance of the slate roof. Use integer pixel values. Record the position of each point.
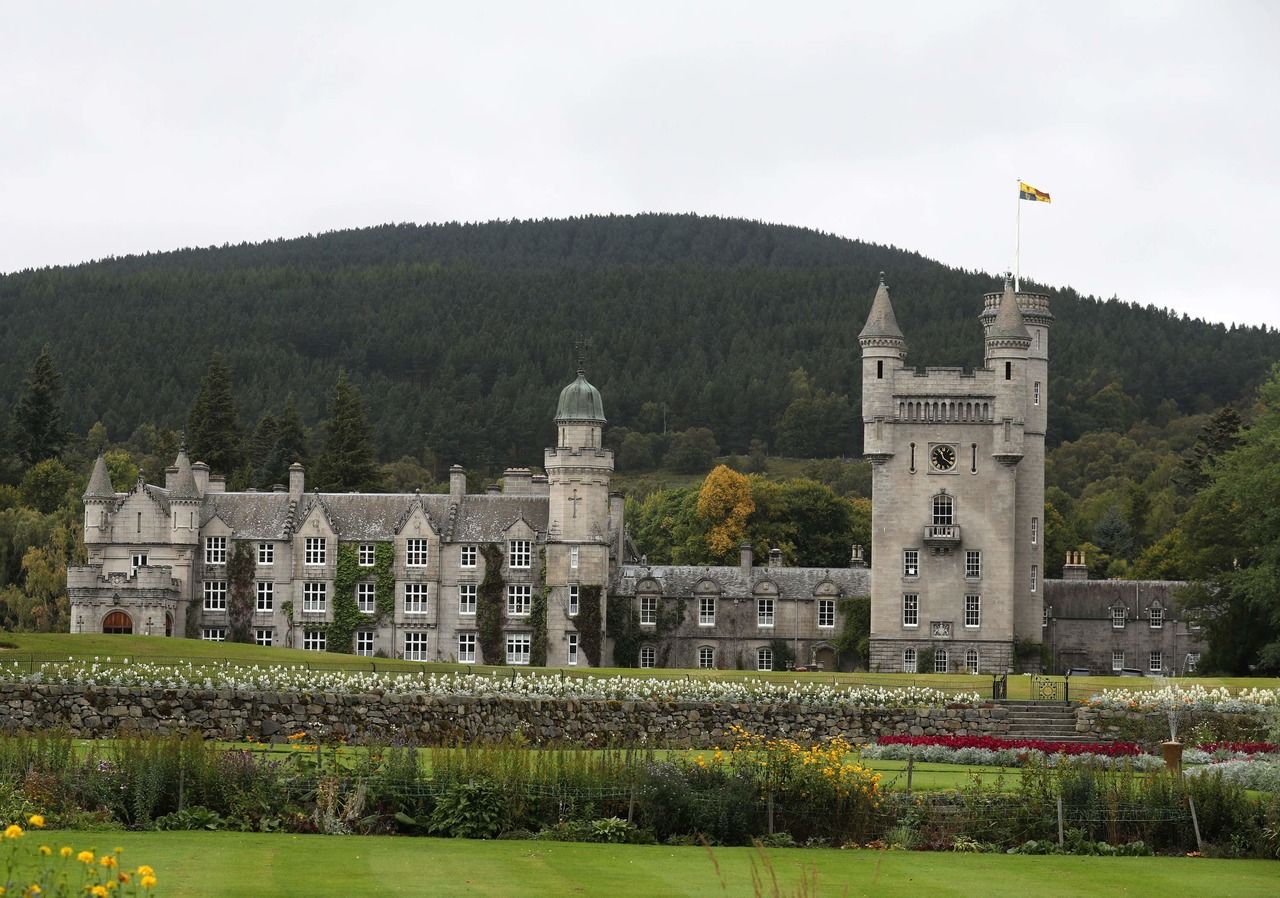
(1008, 324)
(184, 482)
(881, 322)
(250, 515)
(99, 482)
(484, 518)
(1093, 599)
(793, 582)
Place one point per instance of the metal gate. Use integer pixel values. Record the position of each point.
(1048, 689)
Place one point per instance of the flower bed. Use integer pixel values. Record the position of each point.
(996, 743)
(512, 684)
(1186, 698)
(1240, 748)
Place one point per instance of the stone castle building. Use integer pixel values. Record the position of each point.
(956, 562)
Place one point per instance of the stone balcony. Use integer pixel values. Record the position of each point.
(942, 535)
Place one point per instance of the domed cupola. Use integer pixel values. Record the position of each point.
(580, 403)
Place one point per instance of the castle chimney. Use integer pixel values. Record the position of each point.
(297, 480)
(200, 473)
(217, 483)
(277, 487)
(539, 485)
(858, 556)
(457, 483)
(170, 475)
(775, 558)
(1075, 568)
(517, 481)
(746, 557)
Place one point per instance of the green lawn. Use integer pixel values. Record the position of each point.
(266, 865)
(33, 648)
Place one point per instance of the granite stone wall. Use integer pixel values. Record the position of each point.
(107, 711)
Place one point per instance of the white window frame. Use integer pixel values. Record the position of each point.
(417, 598)
(315, 551)
(467, 599)
(266, 554)
(215, 595)
(367, 598)
(519, 554)
(1036, 400)
(648, 611)
(264, 596)
(315, 597)
(575, 600)
(706, 611)
(519, 648)
(826, 614)
(139, 559)
(264, 636)
(573, 558)
(215, 550)
(1044, 615)
(765, 612)
(706, 658)
(571, 653)
(943, 510)
(364, 643)
(972, 611)
(1117, 659)
(416, 552)
(911, 610)
(973, 564)
(910, 563)
(467, 557)
(1035, 530)
(972, 660)
(416, 645)
(940, 661)
(213, 634)
(466, 648)
(648, 657)
(1156, 618)
(764, 658)
(366, 555)
(519, 599)
(910, 660)
(1155, 661)
(1118, 617)
(315, 640)
(1035, 577)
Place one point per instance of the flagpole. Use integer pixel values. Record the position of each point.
(1017, 246)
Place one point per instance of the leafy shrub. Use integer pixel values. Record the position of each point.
(470, 810)
(189, 819)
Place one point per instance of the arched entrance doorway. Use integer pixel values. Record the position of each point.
(117, 622)
(168, 624)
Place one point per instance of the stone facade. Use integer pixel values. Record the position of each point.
(957, 490)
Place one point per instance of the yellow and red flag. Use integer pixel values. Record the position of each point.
(1027, 192)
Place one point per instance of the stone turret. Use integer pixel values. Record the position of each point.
(184, 501)
(883, 351)
(99, 502)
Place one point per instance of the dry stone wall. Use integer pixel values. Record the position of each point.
(106, 711)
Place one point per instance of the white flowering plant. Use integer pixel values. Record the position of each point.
(1178, 699)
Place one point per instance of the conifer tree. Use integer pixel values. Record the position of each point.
(213, 430)
(291, 443)
(260, 451)
(37, 417)
(347, 463)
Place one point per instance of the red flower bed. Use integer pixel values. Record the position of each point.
(1110, 749)
(1248, 748)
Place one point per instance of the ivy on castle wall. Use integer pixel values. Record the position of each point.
(587, 624)
(538, 609)
(489, 606)
(346, 614)
(384, 581)
(852, 642)
(240, 567)
(627, 634)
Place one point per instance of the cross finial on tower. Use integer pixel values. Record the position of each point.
(1008, 279)
(882, 283)
(580, 346)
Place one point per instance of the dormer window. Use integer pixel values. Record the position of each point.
(519, 553)
(1157, 617)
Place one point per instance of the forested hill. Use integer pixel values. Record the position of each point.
(459, 337)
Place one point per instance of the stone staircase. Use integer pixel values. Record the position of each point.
(1051, 721)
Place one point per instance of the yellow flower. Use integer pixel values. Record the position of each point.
(85, 857)
(148, 882)
(123, 877)
(98, 892)
(13, 831)
(107, 861)
(36, 820)
(144, 870)
(65, 851)
(34, 889)
(45, 850)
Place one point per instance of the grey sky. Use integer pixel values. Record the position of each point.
(130, 127)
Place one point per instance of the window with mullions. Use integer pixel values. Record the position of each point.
(466, 648)
(364, 643)
(908, 660)
(826, 613)
(366, 598)
(706, 657)
(315, 596)
(648, 656)
(911, 610)
(415, 598)
(706, 611)
(415, 552)
(973, 611)
(519, 552)
(466, 598)
(764, 659)
(940, 661)
(571, 655)
(574, 593)
(314, 640)
(315, 551)
(973, 564)
(911, 562)
(467, 556)
(266, 596)
(215, 550)
(519, 599)
(764, 613)
(415, 647)
(266, 553)
(648, 610)
(943, 510)
(365, 555)
(215, 595)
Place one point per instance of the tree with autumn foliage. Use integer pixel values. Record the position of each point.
(726, 504)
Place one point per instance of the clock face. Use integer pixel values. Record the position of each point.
(943, 458)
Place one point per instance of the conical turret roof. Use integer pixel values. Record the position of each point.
(881, 322)
(184, 482)
(100, 481)
(1008, 322)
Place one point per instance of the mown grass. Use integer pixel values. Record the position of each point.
(34, 648)
(204, 865)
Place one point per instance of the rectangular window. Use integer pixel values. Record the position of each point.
(1117, 659)
(908, 660)
(940, 661)
(519, 599)
(1156, 664)
(1035, 530)
(215, 595)
(315, 596)
(1044, 616)
(973, 611)
(1157, 618)
(315, 551)
(572, 656)
(215, 550)
(415, 598)
(266, 553)
(139, 560)
(648, 657)
(266, 596)
(911, 562)
(366, 598)
(264, 636)
(573, 600)
(649, 610)
(314, 640)
(826, 613)
(911, 610)
(573, 557)
(364, 643)
(706, 657)
(764, 612)
(706, 611)
(1117, 618)
(415, 647)
(973, 564)
(1035, 576)
(365, 555)
(1037, 393)
(519, 647)
(519, 552)
(467, 557)
(466, 648)
(415, 552)
(466, 598)
(764, 659)
(214, 634)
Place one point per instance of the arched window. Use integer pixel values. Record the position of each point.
(909, 661)
(117, 622)
(971, 661)
(943, 510)
(764, 659)
(940, 661)
(648, 656)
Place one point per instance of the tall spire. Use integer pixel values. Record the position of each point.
(184, 482)
(1008, 323)
(881, 324)
(100, 481)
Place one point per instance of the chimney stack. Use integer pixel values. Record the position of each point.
(775, 558)
(200, 473)
(297, 480)
(1075, 568)
(217, 483)
(858, 557)
(170, 475)
(457, 483)
(746, 556)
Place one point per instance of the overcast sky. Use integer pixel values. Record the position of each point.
(1155, 127)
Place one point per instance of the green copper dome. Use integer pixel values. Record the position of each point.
(580, 402)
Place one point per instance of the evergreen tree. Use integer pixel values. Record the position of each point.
(37, 418)
(261, 452)
(1219, 436)
(291, 443)
(347, 463)
(213, 430)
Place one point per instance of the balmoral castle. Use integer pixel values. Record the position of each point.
(956, 555)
